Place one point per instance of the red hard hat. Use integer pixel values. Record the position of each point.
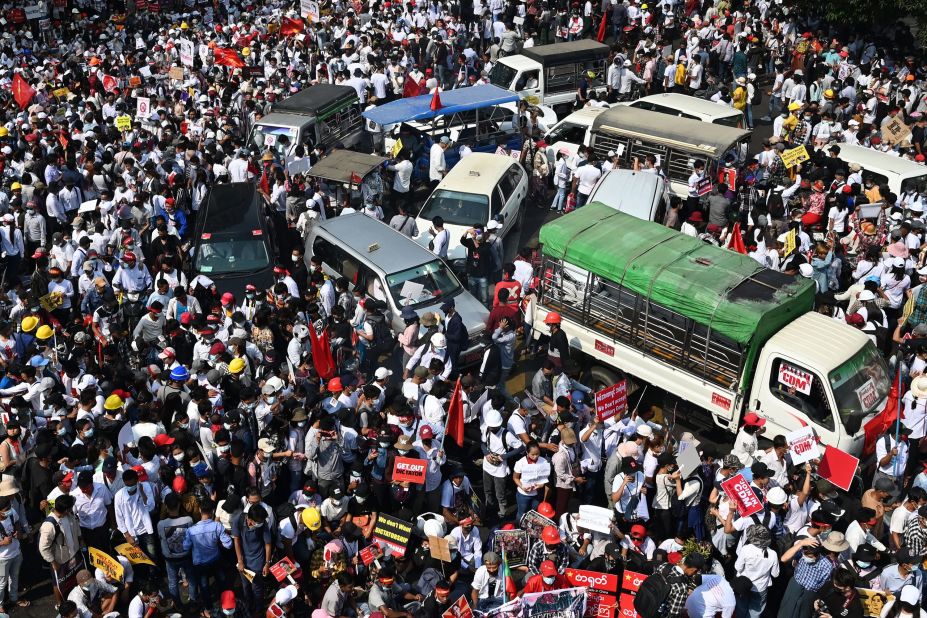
(179, 485)
(546, 510)
(552, 318)
(334, 385)
(129, 256)
(550, 535)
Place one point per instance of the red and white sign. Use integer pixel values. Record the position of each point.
(600, 605)
(142, 108)
(717, 399)
(606, 582)
(838, 467)
(803, 445)
(370, 553)
(460, 609)
(612, 400)
(409, 470)
(631, 581)
(604, 348)
(796, 378)
(738, 489)
(626, 606)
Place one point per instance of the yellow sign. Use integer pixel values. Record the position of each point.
(790, 242)
(61, 92)
(794, 156)
(175, 73)
(397, 148)
(51, 301)
(873, 601)
(134, 554)
(124, 123)
(106, 563)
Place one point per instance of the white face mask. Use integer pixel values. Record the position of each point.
(549, 580)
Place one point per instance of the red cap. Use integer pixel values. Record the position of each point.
(547, 510)
(227, 599)
(426, 432)
(228, 298)
(217, 348)
(162, 439)
(155, 310)
(185, 318)
(179, 485)
(142, 475)
(511, 526)
(68, 477)
(169, 201)
(751, 418)
(250, 288)
(919, 158)
(129, 256)
(40, 252)
(638, 531)
(674, 557)
(548, 568)
(279, 270)
(334, 385)
(848, 189)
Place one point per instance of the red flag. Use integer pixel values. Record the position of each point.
(881, 422)
(321, 354)
(736, 241)
(410, 87)
(603, 25)
(109, 83)
(22, 91)
(356, 179)
(436, 100)
(289, 27)
(228, 57)
(265, 183)
(455, 416)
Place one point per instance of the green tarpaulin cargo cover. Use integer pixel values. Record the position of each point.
(724, 290)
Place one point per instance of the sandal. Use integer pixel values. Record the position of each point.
(23, 603)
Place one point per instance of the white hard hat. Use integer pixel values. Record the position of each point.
(439, 341)
(776, 495)
(493, 418)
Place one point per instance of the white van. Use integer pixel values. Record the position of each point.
(694, 108)
(642, 194)
(481, 187)
(898, 173)
(569, 134)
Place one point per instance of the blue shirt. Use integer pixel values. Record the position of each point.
(812, 575)
(252, 542)
(893, 582)
(204, 538)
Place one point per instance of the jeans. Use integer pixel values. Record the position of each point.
(173, 579)
(774, 104)
(199, 581)
(494, 490)
(753, 608)
(581, 199)
(559, 199)
(525, 504)
(749, 112)
(9, 577)
(479, 287)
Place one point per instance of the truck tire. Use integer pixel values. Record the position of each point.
(600, 377)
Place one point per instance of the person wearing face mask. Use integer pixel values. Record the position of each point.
(746, 444)
(12, 451)
(133, 505)
(91, 506)
(812, 571)
(550, 548)
(59, 537)
(908, 604)
(839, 597)
(548, 579)
(12, 531)
(296, 442)
(252, 540)
(862, 566)
(92, 596)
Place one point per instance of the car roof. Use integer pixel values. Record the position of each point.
(880, 162)
(284, 120)
(583, 49)
(231, 208)
(584, 116)
(479, 171)
(318, 99)
(704, 136)
(687, 104)
(393, 251)
(340, 165)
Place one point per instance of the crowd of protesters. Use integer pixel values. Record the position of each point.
(144, 410)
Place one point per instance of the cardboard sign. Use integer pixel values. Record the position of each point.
(895, 131)
(688, 461)
(795, 156)
(106, 563)
(187, 50)
(595, 518)
(439, 548)
(175, 73)
(796, 378)
(515, 545)
(409, 470)
(369, 554)
(873, 601)
(124, 123)
(535, 474)
(142, 108)
(460, 609)
(739, 491)
(838, 467)
(134, 554)
(612, 400)
(626, 606)
(803, 445)
(393, 532)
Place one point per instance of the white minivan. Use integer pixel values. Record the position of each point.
(481, 187)
(694, 108)
(898, 173)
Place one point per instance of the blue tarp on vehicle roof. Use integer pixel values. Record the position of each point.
(452, 102)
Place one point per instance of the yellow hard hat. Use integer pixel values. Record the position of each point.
(590, 74)
(311, 518)
(245, 51)
(45, 332)
(828, 94)
(237, 365)
(4, 131)
(29, 323)
(794, 106)
(184, 26)
(113, 402)
(15, 186)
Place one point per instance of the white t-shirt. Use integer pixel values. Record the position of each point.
(587, 176)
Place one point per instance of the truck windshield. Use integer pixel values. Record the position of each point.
(502, 75)
(456, 208)
(281, 139)
(860, 384)
(425, 284)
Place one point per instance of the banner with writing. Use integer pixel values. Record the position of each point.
(393, 532)
(739, 491)
(409, 470)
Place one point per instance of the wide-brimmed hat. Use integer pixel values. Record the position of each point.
(9, 487)
(919, 387)
(835, 542)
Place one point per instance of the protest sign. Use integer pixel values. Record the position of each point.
(803, 445)
(369, 554)
(795, 156)
(631, 581)
(124, 123)
(612, 400)
(688, 462)
(536, 474)
(66, 574)
(409, 470)
(600, 588)
(440, 549)
(300, 166)
(134, 554)
(512, 609)
(310, 10)
(187, 50)
(595, 518)
(873, 601)
(838, 467)
(460, 609)
(175, 73)
(397, 148)
(739, 491)
(142, 107)
(106, 563)
(284, 569)
(393, 532)
(533, 523)
(703, 187)
(61, 92)
(564, 603)
(626, 606)
(515, 544)
(790, 243)
(794, 377)
(894, 131)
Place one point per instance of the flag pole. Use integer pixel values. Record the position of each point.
(898, 410)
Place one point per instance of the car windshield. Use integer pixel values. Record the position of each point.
(421, 285)
(456, 207)
(281, 139)
(502, 75)
(860, 384)
(221, 253)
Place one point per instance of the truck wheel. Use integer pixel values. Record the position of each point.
(600, 377)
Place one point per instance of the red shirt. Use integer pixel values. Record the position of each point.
(536, 584)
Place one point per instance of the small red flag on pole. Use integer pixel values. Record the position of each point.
(455, 416)
(22, 91)
(436, 100)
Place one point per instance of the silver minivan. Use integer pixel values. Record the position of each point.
(642, 194)
(395, 269)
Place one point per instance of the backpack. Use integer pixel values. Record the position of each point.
(284, 511)
(680, 77)
(383, 340)
(652, 596)
(54, 522)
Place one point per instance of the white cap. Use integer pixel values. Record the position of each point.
(285, 595)
(806, 270)
(897, 262)
(865, 296)
(492, 418)
(382, 373)
(644, 430)
(776, 495)
(439, 341)
(493, 225)
(910, 594)
(266, 445)
(611, 153)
